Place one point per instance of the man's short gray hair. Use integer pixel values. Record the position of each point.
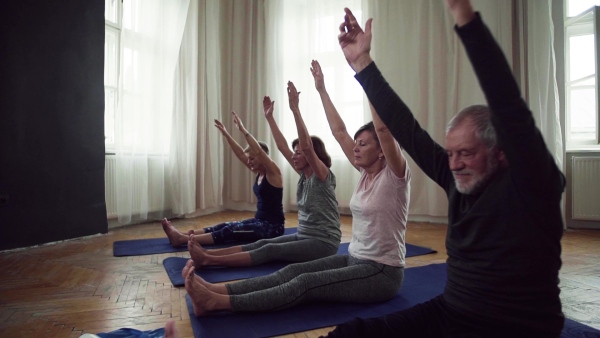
(480, 117)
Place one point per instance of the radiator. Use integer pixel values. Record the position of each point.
(148, 189)
(109, 186)
(585, 179)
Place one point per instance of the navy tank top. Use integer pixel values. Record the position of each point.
(270, 202)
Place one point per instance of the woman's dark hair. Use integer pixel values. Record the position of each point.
(262, 145)
(319, 148)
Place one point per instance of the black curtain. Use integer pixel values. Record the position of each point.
(51, 121)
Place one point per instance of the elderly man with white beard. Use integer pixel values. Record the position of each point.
(504, 191)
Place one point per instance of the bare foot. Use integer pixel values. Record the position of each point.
(202, 298)
(176, 237)
(188, 265)
(198, 254)
(220, 289)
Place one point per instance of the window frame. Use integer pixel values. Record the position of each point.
(112, 27)
(585, 23)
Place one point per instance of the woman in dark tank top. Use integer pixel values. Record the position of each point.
(268, 221)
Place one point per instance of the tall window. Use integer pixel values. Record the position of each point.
(581, 43)
(142, 47)
(301, 31)
(314, 25)
(112, 32)
(143, 44)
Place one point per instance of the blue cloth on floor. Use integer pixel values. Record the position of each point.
(133, 333)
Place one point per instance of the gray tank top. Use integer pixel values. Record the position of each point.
(318, 215)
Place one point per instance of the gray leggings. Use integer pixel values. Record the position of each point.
(338, 278)
(288, 248)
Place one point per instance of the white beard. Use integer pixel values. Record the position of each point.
(479, 181)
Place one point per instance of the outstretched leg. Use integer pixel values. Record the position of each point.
(204, 239)
(202, 257)
(196, 231)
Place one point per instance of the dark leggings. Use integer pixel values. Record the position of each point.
(248, 230)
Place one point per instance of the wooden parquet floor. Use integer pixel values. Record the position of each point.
(74, 287)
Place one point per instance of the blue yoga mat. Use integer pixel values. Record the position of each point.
(420, 284)
(150, 246)
(215, 274)
(575, 329)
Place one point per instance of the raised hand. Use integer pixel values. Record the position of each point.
(461, 10)
(454, 4)
(268, 106)
(315, 69)
(294, 97)
(238, 122)
(355, 43)
(221, 127)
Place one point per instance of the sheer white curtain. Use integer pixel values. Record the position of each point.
(183, 151)
(151, 40)
(537, 36)
(541, 71)
(296, 33)
(209, 150)
(233, 80)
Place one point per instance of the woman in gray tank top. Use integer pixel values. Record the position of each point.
(319, 231)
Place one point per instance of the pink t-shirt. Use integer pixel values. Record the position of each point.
(379, 214)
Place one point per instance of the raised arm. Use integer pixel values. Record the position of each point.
(394, 113)
(391, 149)
(280, 141)
(304, 140)
(235, 147)
(272, 170)
(336, 124)
(532, 165)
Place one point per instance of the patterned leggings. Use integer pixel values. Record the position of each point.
(248, 230)
(338, 278)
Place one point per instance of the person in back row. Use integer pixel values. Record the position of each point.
(504, 191)
(374, 268)
(268, 221)
(319, 231)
